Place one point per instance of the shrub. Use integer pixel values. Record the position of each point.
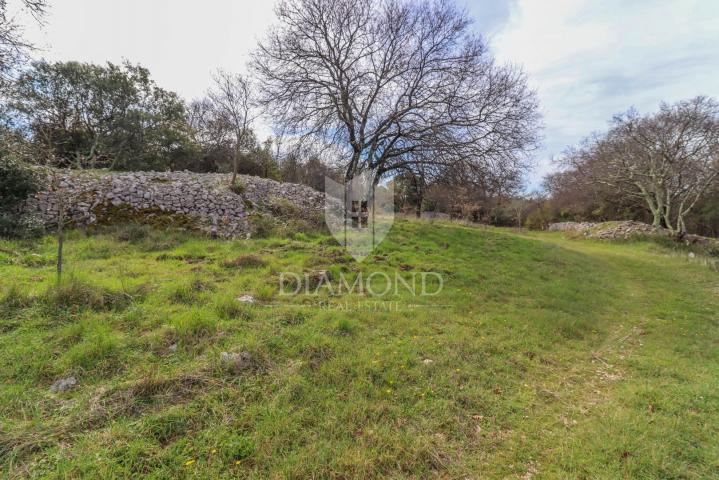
(282, 207)
(538, 219)
(17, 182)
(262, 225)
(238, 187)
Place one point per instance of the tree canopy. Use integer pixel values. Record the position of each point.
(668, 160)
(114, 116)
(393, 84)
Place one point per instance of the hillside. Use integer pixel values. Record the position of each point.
(543, 357)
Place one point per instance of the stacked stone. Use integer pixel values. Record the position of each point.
(626, 230)
(204, 198)
(570, 226)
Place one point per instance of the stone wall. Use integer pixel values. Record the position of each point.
(622, 229)
(627, 229)
(201, 201)
(570, 226)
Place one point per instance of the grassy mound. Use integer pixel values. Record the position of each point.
(541, 356)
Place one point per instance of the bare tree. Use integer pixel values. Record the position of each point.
(393, 83)
(13, 47)
(232, 101)
(669, 160)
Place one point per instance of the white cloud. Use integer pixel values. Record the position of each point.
(181, 42)
(590, 59)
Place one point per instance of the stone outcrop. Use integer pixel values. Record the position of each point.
(201, 201)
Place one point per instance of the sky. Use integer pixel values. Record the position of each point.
(587, 59)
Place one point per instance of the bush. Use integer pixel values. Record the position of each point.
(282, 207)
(262, 226)
(538, 219)
(238, 187)
(17, 182)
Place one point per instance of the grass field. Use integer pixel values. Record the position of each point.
(542, 357)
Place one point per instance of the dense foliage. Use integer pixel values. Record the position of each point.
(661, 168)
(91, 116)
(17, 182)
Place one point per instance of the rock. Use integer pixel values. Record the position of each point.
(427, 361)
(246, 299)
(88, 197)
(63, 384)
(570, 226)
(236, 361)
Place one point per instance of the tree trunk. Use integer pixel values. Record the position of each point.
(657, 222)
(419, 194)
(60, 235)
(681, 226)
(234, 165)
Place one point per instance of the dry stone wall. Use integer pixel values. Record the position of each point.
(608, 230)
(201, 201)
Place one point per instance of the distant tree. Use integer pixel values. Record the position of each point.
(17, 182)
(668, 160)
(13, 47)
(267, 161)
(538, 215)
(209, 135)
(394, 84)
(232, 104)
(112, 116)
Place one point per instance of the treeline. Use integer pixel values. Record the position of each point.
(80, 115)
(414, 95)
(660, 168)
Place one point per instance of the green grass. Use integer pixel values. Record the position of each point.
(543, 357)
